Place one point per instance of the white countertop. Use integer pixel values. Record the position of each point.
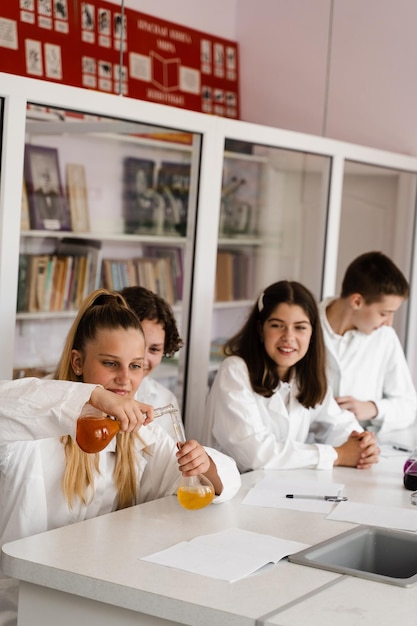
(100, 560)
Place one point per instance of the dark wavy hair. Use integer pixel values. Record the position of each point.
(149, 306)
(310, 371)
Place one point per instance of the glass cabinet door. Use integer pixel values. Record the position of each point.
(272, 227)
(377, 213)
(106, 202)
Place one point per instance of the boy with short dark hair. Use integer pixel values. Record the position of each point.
(367, 368)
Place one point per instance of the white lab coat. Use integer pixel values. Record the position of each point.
(272, 433)
(34, 413)
(371, 368)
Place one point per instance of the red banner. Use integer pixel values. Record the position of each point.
(92, 45)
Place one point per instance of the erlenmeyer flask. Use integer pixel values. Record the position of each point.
(194, 492)
(95, 430)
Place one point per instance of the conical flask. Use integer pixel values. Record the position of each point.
(194, 492)
(95, 429)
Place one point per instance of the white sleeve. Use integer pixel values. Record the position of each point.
(34, 408)
(228, 473)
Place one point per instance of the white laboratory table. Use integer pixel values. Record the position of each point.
(91, 572)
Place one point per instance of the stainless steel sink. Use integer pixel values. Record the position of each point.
(378, 554)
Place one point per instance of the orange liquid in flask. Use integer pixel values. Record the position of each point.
(195, 496)
(95, 432)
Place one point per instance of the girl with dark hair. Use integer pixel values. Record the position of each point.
(270, 406)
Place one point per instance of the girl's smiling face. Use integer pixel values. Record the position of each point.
(286, 336)
(114, 359)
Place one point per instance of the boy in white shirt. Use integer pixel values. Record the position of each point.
(366, 365)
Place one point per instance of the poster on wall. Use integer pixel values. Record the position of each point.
(94, 45)
(174, 65)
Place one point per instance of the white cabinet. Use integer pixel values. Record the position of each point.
(139, 204)
(269, 206)
(95, 173)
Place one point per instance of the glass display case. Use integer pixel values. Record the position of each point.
(272, 226)
(284, 207)
(106, 201)
(205, 210)
(378, 213)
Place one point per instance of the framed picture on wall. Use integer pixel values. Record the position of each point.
(48, 209)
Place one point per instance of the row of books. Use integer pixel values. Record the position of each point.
(160, 269)
(51, 282)
(60, 281)
(232, 272)
(153, 273)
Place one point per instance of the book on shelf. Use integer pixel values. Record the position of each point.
(83, 283)
(22, 283)
(77, 195)
(176, 256)
(224, 277)
(232, 271)
(49, 283)
(152, 273)
(24, 214)
(60, 281)
(58, 284)
(89, 248)
(41, 276)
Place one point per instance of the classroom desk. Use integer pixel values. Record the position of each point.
(92, 570)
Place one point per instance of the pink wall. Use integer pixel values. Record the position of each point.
(372, 89)
(217, 17)
(283, 47)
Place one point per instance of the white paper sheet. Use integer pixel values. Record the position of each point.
(228, 555)
(271, 492)
(375, 515)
